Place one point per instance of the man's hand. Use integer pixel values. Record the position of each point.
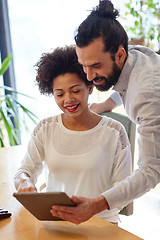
(84, 210)
(106, 106)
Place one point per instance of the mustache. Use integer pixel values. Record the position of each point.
(99, 78)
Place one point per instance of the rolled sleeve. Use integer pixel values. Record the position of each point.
(116, 98)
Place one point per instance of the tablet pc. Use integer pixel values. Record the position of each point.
(39, 204)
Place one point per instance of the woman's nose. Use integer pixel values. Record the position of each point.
(68, 98)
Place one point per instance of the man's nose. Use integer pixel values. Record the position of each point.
(90, 73)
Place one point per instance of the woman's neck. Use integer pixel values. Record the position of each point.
(81, 123)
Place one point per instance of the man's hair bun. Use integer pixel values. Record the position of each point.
(105, 9)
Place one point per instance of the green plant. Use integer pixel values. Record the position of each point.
(143, 17)
(10, 122)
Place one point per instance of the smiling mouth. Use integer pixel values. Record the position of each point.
(72, 108)
(99, 81)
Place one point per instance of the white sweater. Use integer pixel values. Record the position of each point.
(83, 163)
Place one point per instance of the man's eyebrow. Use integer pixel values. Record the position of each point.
(92, 65)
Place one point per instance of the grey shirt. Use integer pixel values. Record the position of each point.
(139, 87)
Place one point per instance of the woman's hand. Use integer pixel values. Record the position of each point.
(23, 183)
(84, 210)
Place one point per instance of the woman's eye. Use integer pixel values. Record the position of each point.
(76, 91)
(60, 95)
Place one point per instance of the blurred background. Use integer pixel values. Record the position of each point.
(38, 26)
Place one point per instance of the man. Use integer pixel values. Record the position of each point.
(134, 71)
(102, 49)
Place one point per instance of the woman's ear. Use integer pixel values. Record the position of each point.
(90, 88)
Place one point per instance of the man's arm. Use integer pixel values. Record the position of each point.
(85, 209)
(108, 105)
(147, 175)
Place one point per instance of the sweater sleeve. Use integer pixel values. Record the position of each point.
(122, 166)
(32, 161)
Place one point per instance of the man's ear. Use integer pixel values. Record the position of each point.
(90, 88)
(120, 56)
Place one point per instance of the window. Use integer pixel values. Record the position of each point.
(37, 26)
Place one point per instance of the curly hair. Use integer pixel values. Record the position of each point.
(58, 62)
(102, 23)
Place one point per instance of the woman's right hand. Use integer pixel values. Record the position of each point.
(23, 183)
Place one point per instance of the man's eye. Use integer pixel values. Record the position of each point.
(97, 66)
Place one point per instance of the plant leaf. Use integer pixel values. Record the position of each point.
(11, 90)
(10, 129)
(1, 138)
(27, 111)
(11, 107)
(5, 64)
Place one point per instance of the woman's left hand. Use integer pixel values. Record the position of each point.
(84, 210)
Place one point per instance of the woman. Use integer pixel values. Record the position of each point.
(86, 154)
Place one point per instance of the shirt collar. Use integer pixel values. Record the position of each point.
(122, 84)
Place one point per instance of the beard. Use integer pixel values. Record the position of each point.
(110, 81)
